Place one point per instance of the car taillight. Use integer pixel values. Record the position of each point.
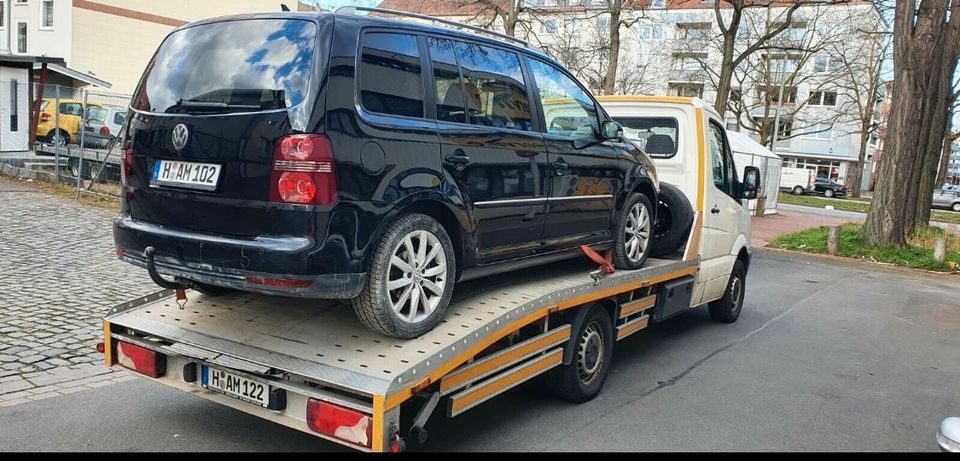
(45, 117)
(126, 166)
(340, 422)
(141, 359)
(104, 130)
(282, 283)
(303, 171)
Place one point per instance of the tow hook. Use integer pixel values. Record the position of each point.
(178, 283)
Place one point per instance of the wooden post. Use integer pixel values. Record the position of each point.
(940, 250)
(833, 240)
(761, 204)
(35, 119)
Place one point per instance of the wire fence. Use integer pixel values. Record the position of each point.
(69, 135)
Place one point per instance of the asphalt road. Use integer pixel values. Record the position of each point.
(826, 356)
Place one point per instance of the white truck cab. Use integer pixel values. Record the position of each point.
(688, 143)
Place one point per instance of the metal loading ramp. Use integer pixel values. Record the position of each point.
(325, 342)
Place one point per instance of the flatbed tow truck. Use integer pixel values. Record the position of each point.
(312, 366)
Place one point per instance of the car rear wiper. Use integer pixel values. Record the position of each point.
(214, 106)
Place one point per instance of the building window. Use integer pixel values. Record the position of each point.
(20, 2)
(693, 31)
(14, 122)
(47, 18)
(784, 128)
(771, 94)
(819, 131)
(21, 37)
(657, 4)
(688, 90)
(823, 98)
(826, 64)
(548, 27)
(651, 32)
(688, 61)
(3, 15)
(732, 125)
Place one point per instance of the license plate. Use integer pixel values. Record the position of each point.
(235, 386)
(203, 176)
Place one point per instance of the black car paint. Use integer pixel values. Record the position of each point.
(820, 186)
(385, 165)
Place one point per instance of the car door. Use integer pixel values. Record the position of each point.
(721, 216)
(489, 147)
(585, 173)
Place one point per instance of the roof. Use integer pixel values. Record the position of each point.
(743, 144)
(76, 75)
(28, 59)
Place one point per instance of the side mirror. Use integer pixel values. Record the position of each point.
(611, 130)
(751, 182)
(948, 437)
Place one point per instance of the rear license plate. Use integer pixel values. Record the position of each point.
(203, 176)
(235, 386)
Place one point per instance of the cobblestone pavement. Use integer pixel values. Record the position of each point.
(58, 276)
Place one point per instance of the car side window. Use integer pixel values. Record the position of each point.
(70, 108)
(567, 109)
(724, 175)
(390, 81)
(446, 81)
(493, 87)
(119, 117)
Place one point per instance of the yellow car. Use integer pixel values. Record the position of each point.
(71, 114)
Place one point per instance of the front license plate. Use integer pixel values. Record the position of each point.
(239, 387)
(192, 175)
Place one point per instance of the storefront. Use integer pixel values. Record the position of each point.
(834, 169)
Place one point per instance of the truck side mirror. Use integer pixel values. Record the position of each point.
(751, 182)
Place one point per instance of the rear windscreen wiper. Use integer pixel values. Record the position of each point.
(200, 105)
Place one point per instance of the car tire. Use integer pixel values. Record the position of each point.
(956, 207)
(828, 193)
(401, 260)
(58, 138)
(633, 233)
(73, 167)
(674, 217)
(727, 308)
(798, 190)
(582, 379)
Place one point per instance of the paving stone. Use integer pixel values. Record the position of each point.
(32, 359)
(14, 386)
(14, 350)
(16, 395)
(46, 395)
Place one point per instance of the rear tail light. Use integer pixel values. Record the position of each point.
(44, 117)
(340, 422)
(141, 359)
(303, 171)
(282, 283)
(104, 130)
(126, 167)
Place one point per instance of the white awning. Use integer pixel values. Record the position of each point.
(743, 144)
(75, 74)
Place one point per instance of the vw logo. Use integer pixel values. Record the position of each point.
(180, 136)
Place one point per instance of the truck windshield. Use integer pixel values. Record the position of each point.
(231, 66)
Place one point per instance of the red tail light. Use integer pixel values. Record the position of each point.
(141, 359)
(283, 283)
(45, 117)
(303, 171)
(126, 167)
(104, 130)
(339, 422)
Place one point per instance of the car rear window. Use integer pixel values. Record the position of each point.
(96, 113)
(232, 66)
(390, 81)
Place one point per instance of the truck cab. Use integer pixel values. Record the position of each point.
(688, 144)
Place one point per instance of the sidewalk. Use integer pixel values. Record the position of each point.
(769, 227)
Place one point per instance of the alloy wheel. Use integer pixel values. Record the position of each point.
(417, 277)
(637, 232)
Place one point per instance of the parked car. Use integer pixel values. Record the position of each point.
(378, 160)
(827, 188)
(798, 181)
(68, 130)
(947, 198)
(102, 126)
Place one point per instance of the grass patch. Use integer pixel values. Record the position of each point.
(862, 206)
(919, 255)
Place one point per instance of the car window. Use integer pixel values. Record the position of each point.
(70, 108)
(446, 81)
(493, 86)
(390, 81)
(567, 109)
(119, 117)
(44, 104)
(657, 136)
(722, 161)
(96, 114)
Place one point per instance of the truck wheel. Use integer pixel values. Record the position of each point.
(956, 207)
(410, 280)
(798, 190)
(582, 379)
(828, 193)
(674, 217)
(727, 308)
(74, 166)
(633, 233)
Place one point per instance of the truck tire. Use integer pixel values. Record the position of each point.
(798, 190)
(633, 233)
(674, 217)
(412, 261)
(727, 309)
(581, 379)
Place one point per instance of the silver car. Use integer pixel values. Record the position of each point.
(947, 198)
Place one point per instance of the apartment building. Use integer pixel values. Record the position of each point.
(673, 47)
(106, 43)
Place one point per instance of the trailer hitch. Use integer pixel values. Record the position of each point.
(179, 284)
(605, 262)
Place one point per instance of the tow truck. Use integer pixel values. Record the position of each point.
(313, 367)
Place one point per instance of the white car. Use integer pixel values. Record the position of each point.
(102, 125)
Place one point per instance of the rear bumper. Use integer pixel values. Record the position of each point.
(235, 263)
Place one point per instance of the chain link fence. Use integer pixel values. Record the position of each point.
(75, 139)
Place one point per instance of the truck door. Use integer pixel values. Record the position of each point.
(721, 215)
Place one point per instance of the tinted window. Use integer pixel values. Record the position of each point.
(119, 117)
(493, 87)
(70, 108)
(567, 109)
(446, 81)
(256, 64)
(390, 81)
(657, 136)
(96, 114)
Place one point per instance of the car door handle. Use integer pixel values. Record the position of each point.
(459, 160)
(715, 210)
(559, 167)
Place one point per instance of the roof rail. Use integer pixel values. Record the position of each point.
(351, 10)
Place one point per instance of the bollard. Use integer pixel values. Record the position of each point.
(833, 240)
(761, 204)
(940, 250)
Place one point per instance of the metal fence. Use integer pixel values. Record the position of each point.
(769, 179)
(76, 139)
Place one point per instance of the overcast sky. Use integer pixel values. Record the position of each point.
(331, 4)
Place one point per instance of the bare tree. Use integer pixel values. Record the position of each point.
(508, 12)
(926, 46)
(616, 10)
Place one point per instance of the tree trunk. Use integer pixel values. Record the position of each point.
(610, 79)
(510, 19)
(726, 72)
(855, 178)
(947, 148)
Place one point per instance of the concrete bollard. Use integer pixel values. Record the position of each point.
(833, 240)
(940, 250)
